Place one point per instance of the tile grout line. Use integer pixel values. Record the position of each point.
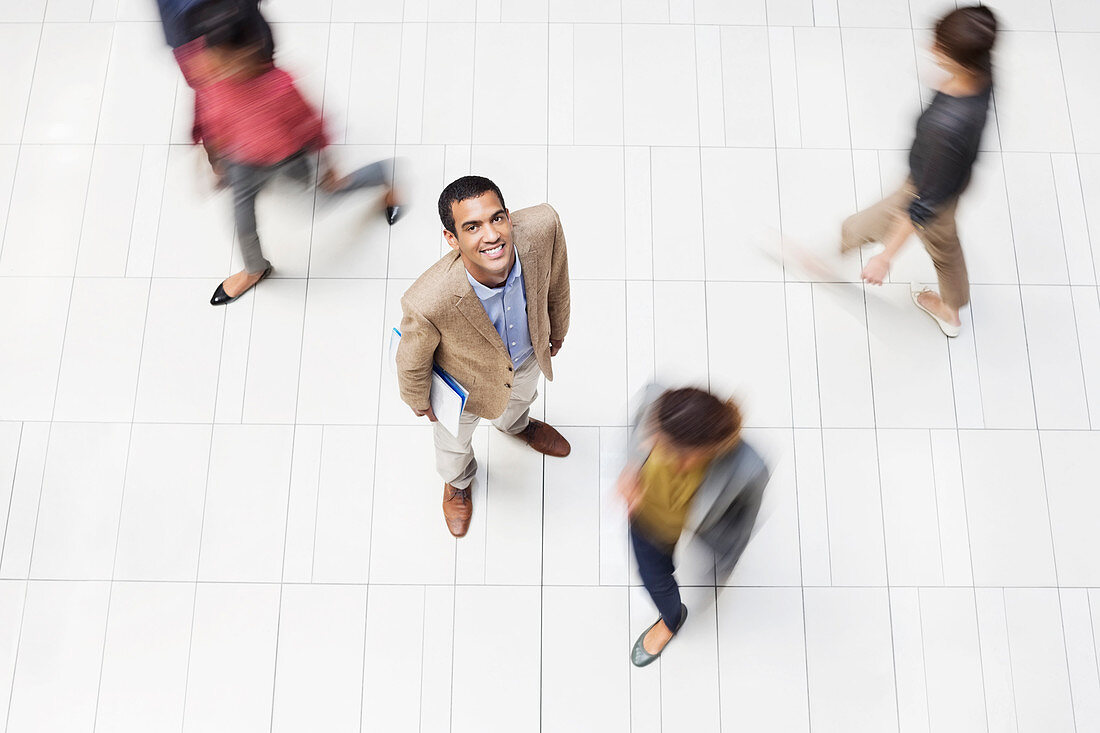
(638, 585)
(1008, 649)
(1084, 208)
(26, 584)
(706, 319)
(1034, 403)
(760, 426)
(133, 415)
(874, 410)
(687, 281)
(469, 167)
(375, 142)
(652, 254)
(290, 491)
(351, 74)
(209, 459)
(545, 406)
(297, 404)
(936, 504)
(790, 390)
(722, 81)
(202, 528)
(11, 493)
(924, 666)
(1092, 631)
(658, 24)
(60, 365)
(626, 342)
(302, 341)
(384, 358)
(1069, 287)
(813, 300)
(317, 502)
(133, 218)
(363, 664)
(572, 84)
(118, 528)
(423, 659)
(22, 135)
(966, 520)
(253, 297)
(424, 92)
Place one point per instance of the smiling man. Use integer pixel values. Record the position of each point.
(492, 312)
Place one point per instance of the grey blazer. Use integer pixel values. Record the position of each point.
(725, 507)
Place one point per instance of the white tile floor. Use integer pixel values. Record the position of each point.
(225, 520)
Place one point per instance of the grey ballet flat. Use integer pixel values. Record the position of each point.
(639, 657)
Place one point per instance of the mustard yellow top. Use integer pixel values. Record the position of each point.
(667, 491)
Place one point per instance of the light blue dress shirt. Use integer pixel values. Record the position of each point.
(506, 307)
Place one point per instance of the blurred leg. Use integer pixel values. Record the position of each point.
(375, 174)
(656, 568)
(873, 223)
(941, 239)
(299, 167)
(246, 182)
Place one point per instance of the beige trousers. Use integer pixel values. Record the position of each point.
(454, 456)
(940, 239)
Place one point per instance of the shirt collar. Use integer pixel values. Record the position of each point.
(483, 292)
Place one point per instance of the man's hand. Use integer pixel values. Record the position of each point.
(878, 267)
(629, 487)
(555, 346)
(425, 413)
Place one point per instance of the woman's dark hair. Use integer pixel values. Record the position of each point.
(467, 187)
(967, 35)
(228, 25)
(694, 418)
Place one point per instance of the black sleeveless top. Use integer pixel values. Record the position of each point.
(944, 149)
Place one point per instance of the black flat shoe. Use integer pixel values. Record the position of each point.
(220, 297)
(394, 213)
(639, 657)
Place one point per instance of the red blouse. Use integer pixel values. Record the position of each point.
(257, 121)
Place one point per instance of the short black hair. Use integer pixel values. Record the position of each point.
(467, 187)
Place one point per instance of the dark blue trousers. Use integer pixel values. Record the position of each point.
(656, 568)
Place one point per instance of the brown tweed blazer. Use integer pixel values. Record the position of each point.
(444, 321)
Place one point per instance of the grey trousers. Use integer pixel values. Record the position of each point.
(247, 180)
(454, 456)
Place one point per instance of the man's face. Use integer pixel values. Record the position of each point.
(484, 238)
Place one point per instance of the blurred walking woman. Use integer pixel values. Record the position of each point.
(689, 471)
(940, 161)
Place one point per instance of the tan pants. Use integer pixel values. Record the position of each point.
(454, 456)
(939, 237)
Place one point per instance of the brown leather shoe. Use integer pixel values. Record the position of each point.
(545, 439)
(457, 508)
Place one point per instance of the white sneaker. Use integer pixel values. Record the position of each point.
(950, 330)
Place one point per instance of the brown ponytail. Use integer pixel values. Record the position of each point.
(966, 36)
